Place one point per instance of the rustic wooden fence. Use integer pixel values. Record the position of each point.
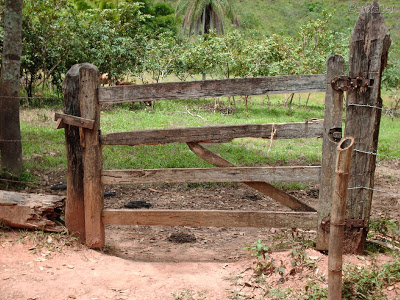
(85, 213)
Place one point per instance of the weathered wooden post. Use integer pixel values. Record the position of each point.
(337, 224)
(74, 206)
(84, 187)
(92, 157)
(331, 137)
(369, 47)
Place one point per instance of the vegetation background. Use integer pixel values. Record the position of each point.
(143, 41)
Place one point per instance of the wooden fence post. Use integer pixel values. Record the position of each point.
(74, 207)
(369, 47)
(331, 137)
(92, 156)
(337, 224)
(84, 157)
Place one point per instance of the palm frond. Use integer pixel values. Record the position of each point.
(199, 16)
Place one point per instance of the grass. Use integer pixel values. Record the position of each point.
(44, 147)
(365, 281)
(368, 282)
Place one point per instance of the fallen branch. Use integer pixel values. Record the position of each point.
(31, 211)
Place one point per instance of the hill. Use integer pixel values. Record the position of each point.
(261, 17)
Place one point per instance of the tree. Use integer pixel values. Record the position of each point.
(48, 38)
(158, 58)
(10, 133)
(202, 16)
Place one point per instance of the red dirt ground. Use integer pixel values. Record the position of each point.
(145, 263)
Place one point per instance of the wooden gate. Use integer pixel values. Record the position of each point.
(85, 214)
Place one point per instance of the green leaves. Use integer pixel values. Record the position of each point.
(109, 34)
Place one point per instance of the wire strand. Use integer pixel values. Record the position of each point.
(32, 141)
(24, 98)
(20, 181)
(366, 105)
(372, 189)
(376, 154)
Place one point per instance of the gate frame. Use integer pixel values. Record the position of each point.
(85, 214)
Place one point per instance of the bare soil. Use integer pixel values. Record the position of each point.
(143, 262)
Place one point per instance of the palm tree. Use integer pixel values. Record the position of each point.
(201, 16)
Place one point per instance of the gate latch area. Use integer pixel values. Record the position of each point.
(349, 223)
(335, 134)
(345, 83)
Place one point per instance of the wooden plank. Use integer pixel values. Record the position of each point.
(211, 218)
(214, 134)
(369, 47)
(331, 138)
(213, 88)
(59, 124)
(74, 206)
(92, 156)
(263, 187)
(230, 174)
(74, 121)
(31, 211)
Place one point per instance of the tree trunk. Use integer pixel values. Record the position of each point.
(10, 134)
(207, 19)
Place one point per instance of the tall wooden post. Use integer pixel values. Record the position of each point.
(369, 46)
(74, 207)
(338, 210)
(84, 157)
(331, 137)
(92, 156)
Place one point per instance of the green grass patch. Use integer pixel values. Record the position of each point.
(44, 148)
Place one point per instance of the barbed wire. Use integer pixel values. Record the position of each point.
(377, 154)
(25, 98)
(20, 181)
(32, 141)
(365, 105)
(387, 110)
(373, 189)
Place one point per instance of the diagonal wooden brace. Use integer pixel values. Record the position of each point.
(63, 119)
(263, 187)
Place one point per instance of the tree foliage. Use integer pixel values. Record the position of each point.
(139, 39)
(110, 34)
(235, 55)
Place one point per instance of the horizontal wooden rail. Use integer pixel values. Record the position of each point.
(228, 174)
(213, 88)
(215, 134)
(211, 218)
